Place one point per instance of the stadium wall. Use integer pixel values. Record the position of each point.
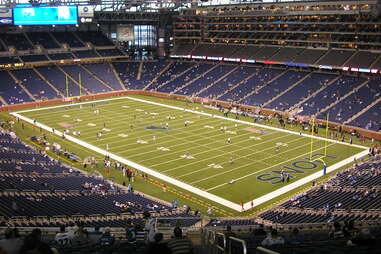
(39, 104)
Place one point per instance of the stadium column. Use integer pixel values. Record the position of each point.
(164, 31)
(161, 43)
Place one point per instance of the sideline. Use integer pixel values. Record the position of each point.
(188, 187)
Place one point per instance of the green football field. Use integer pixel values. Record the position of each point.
(192, 147)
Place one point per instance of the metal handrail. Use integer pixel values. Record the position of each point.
(243, 242)
(222, 248)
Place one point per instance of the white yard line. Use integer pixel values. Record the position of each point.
(188, 187)
(180, 151)
(68, 105)
(123, 126)
(256, 161)
(240, 178)
(47, 114)
(195, 162)
(256, 172)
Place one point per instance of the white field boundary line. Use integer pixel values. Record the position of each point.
(149, 171)
(246, 122)
(302, 181)
(224, 154)
(188, 187)
(47, 114)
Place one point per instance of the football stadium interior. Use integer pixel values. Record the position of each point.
(190, 126)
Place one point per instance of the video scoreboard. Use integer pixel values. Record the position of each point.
(28, 15)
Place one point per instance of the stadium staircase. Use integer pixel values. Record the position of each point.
(54, 39)
(72, 79)
(341, 98)
(96, 52)
(140, 70)
(3, 101)
(363, 111)
(28, 39)
(117, 76)
(322, 56)
(190, 52)
(297, 105)
(18, 82)
(195, 79)
(173, 77)
(288, 89)
(19, 59)
(96, 77)
(158, 75)
(218, 80)
(78, 38)
(5, 46)
(238, 84)
(375, 61)
(264, 85)
(48, 83)
(349, 58)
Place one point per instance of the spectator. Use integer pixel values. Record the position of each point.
(149, 226)
(273, 239)
(71, 230)
(337, 232)
(81, 236)
(179, 245)
(295, 238)
(95, 235)
(228, 234)
(157, 247)
(62, 237)
(130, 232)
(33, 244)
(364, 238)
(107, 239)
(12, 242)
(260, 231)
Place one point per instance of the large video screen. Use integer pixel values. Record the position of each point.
(57, 15)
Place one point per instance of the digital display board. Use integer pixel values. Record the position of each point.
(57, 15)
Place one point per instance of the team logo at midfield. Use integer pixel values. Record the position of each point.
(156, 128)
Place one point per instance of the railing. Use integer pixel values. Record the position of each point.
(220, 243)
(261, 250)
(237, 246)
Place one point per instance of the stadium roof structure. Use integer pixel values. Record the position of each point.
(157, 5)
